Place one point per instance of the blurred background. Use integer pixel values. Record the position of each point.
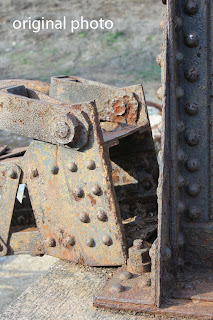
(122, 56)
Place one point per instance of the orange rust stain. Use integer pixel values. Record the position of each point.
(115, 176)
(93, 201)
(1, 105)
(48, 208)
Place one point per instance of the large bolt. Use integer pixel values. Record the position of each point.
(12, 173)
(139, 260)
(107, 240)
(62, 130)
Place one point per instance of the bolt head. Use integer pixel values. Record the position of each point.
(62, 130)
(96, 190)
(102, 216)
(90, 242)
(191, 137)
(50, 242)
(84, 217)
(138, 244)
(191, 74)
(91, 165)
(193, 189)
(12, 173)
(55, 170)
(72, 167)
(107, 240)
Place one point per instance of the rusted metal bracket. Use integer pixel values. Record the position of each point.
(70, 179)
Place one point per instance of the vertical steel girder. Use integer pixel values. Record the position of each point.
(182, 255)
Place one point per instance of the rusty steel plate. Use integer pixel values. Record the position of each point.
(113, 104)
(9, 181)
(73, 199)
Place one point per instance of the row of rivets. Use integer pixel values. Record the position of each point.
(70, 241)
(191, 40)
(72, 166)
(101, 215)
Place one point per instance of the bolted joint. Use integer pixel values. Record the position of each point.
(139, 260)
(66, 130)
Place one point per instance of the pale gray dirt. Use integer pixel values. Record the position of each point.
(122, 56)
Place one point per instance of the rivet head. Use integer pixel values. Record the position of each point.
(179, 93)
(62, 130)
(179, 57)
(193, 213)
(69, 241)
(180, 126)
(107, 240)
(191, 137)
(116, 288)
(180, 181)
(181, 207)
(55, 170)
(78, 192)
(180, 155)
(192, 74)
(50, 242)
(192, 109)
(192, 164)
(12, 174)
(90, 242)
(193, 189)
(191, 7)
(35, 173)
(125, 275)
(96, 190)
(178, 23)
(84, 217)
(72, 166)
(91, 165)
(191, 39)
(102, 216)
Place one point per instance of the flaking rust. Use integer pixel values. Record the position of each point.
(75, 193)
